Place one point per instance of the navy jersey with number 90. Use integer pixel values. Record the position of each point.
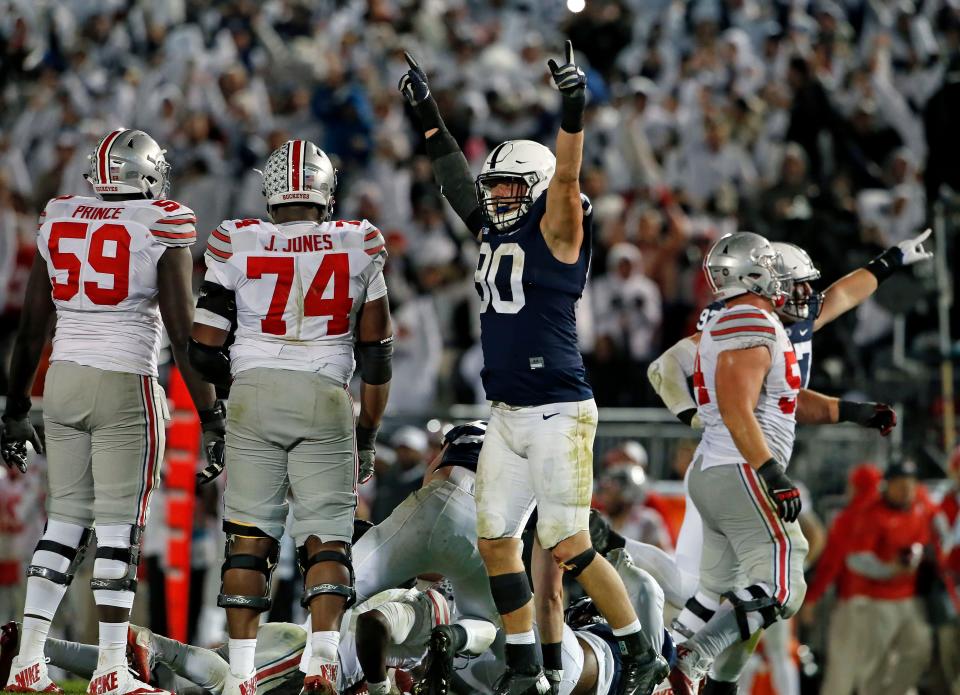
(528, 324)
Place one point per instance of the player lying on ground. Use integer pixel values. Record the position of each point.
(105, 272)
(283, 649)
(304, 291)
(534, 228)
(391, 630)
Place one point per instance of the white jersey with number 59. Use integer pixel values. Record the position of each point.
(102, 260)
(298, 288)
(738, 328)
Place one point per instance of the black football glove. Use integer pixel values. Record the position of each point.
(413, 85)
(878, 416)
(213, 422)
(781, 489)
(17, 431)
(366, 451)
(572, 83)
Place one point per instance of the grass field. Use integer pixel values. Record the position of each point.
(74, 686)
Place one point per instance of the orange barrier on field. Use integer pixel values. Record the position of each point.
(183, 449)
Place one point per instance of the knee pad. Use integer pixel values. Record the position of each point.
(311, 592)
(245, 561)
(577, 564)
(115, 568)
(68, 557)
(510, 591)
(753, 600)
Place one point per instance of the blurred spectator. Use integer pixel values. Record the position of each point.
(890, 641)
(831, 569)
(411, 447)
(21, 496)
(627, 308)
(621, 495)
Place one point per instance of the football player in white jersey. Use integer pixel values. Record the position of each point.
(107, 269)
(305, 291)
(804, 313)
(747, 384)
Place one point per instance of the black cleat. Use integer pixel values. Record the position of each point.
(9, 643)
(532, 682)
(643, 668)
(439, 669)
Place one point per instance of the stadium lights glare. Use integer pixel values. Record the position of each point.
(576, 5)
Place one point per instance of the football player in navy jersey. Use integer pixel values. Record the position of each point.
(534, 228)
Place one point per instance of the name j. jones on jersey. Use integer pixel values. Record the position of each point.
(301, 244)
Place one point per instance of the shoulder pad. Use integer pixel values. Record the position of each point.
(175, 224)
(743, 322)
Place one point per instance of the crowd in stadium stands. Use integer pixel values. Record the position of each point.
(830, 124)
(804, 121)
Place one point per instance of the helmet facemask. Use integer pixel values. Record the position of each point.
(505, 211)
(797, 307)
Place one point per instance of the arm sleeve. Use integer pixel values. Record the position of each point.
(668, 375)
(452, 173)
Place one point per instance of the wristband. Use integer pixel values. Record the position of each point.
(366, 437)
(571, 112)
(853, 411)
(884, 265)
(429, 114)
(214, 414)
(770, 464)
(17, 406)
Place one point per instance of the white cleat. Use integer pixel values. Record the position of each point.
(235, 685)
(30, 677)
(119, 680)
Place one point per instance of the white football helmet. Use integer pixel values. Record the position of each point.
(525, 162)
(802, 271)
(128, 162)
(744, 262)
(300, 173)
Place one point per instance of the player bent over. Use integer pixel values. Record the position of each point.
(747, 383)
(534, 229)
(304, 291)
(106, 269)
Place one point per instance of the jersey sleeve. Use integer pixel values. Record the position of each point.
(744, 328)
(219, 245)
(374, 244)
(175, 226)
(218, 257)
